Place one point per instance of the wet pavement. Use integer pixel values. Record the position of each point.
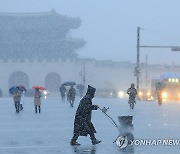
(50, 132)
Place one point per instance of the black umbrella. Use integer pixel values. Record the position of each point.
(69, 83)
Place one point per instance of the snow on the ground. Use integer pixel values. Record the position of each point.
(50, 132)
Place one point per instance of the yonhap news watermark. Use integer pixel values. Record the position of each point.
(155, 142)
(123, 142)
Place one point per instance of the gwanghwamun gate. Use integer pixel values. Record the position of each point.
(37, 49)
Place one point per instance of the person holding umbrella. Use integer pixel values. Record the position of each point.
(37, 97)
(82, 123)
(37, 100)
(71, 95)
(17, 98)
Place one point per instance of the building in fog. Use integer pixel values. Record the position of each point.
(35, 37)
(36, 49)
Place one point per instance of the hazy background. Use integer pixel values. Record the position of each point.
(110, 26)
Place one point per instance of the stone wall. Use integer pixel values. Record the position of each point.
(100, 74)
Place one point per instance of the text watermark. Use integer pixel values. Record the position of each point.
(123, 142)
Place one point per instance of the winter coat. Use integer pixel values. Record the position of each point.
(132, 92)
(82, 123)
(37, 98)
(17, 96)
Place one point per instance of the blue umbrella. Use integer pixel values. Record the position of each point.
(20, 88)
(12, 89)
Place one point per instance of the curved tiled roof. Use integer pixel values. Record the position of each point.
(35, 34)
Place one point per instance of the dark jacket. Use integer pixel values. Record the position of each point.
(132, 92)
(82, 123)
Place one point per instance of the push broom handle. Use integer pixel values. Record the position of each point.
(114, 123)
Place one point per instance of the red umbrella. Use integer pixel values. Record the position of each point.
(39, 87)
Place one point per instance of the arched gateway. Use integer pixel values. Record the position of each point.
(19, 78)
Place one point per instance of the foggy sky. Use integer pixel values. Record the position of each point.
(110, 26)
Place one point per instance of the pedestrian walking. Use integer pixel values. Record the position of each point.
(17, 98)
(132, 92)
(71, 96)
(37, 100)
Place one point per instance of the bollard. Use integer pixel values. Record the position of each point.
(125, 132)
(125, 123)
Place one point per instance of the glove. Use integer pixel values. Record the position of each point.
(95, 107)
